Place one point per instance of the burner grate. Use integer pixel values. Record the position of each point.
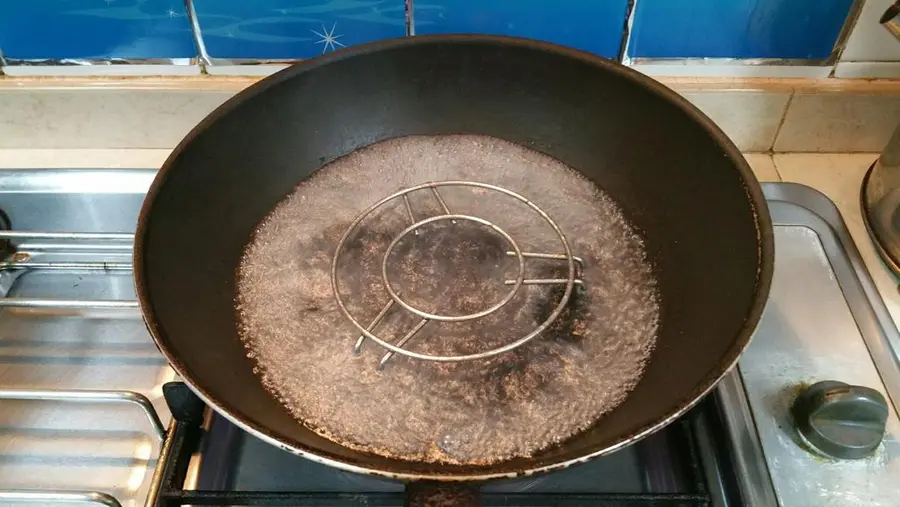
(185, 435)
(574, 265)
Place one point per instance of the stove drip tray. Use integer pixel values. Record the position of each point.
(821, 369)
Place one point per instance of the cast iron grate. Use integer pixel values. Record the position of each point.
(183, 440)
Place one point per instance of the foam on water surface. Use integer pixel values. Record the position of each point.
(475, 412)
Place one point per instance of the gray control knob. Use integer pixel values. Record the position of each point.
(840, 420)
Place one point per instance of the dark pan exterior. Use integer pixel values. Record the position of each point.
(676, 175)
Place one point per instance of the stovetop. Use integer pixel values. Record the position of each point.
(83, 391)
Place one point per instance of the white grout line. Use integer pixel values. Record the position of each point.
(844, 35)
(867, 70)
(630, 10)
(197, 34)
(781, 122)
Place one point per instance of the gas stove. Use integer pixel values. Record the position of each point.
(91, 413)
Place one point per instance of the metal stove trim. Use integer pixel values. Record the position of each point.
(52, 244)
(793, 204)
(806, 206)
(752, 470)
(62, 497)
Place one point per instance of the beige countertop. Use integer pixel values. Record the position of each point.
(836, 175)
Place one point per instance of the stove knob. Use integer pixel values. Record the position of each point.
(840, 420)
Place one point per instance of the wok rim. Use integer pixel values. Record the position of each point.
(765, 269)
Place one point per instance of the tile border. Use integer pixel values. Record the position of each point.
(676, 68)
(203, 63)
(83, 158)
(760, 130)
(832, 121)
(173, 83)
(867, 70)
(214, 82)
(98, 69)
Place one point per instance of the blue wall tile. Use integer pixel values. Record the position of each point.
(591, 25)
(41, 29)
(737, 28)
(287, 29)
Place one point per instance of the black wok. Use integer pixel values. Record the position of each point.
(677, 177)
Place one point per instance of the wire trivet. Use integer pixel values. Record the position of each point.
(574, 264)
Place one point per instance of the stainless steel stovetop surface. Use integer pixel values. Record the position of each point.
(107, 447)
(68, 321)
(824, 321)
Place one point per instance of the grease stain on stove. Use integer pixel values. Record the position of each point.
(787, 424)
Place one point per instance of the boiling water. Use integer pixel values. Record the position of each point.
(474, 412)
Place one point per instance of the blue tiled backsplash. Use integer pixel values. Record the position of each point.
(291, 29)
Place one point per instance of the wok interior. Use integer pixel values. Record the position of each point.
(682, 185)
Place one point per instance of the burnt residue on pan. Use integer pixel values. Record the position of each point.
(475, 412)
